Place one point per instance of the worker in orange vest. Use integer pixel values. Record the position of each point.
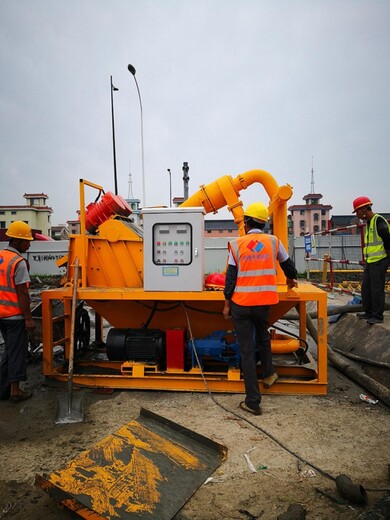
(250, 290)
(15, 313)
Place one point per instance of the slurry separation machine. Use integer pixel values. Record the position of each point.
(147, 285)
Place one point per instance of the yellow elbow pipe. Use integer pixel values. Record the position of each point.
(224, 192)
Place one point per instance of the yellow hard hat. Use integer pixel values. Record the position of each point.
(257, 211)
(19, 229)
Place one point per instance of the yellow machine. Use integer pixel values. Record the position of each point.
(167, 332)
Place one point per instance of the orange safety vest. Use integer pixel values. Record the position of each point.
(9, 303)
(255, 255)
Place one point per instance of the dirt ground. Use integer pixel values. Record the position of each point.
(338, 434)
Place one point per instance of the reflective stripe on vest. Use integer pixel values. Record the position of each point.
(374, 249)
(9, 303)
(255, 256)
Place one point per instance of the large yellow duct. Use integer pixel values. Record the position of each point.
(224, 192)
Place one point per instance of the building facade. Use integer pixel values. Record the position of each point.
(311, 217)
(59, 232)
(220, 228)
(73, 227)
(135, 205)
(350, 224)
(35, 213)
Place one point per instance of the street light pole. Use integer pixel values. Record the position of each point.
(113, 136)
(170, 187)
(132, 71)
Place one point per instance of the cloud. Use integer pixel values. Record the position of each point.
(226, 85)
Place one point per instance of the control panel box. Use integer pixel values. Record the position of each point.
(173, 249)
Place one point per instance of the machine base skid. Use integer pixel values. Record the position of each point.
(202, 313)
(147, 469)
(298, 379)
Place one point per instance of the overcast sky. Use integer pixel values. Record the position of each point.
(226, 85)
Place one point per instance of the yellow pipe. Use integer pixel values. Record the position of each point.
(224, 192)
(244, 180)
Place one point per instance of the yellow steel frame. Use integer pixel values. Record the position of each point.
(112, 284)
(135, 305)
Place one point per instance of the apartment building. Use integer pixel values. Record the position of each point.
(34, 212)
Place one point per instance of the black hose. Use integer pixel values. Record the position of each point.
(332, 311)
(300, 358)
(218, 313)
(350, 371)
(363, 359)
(256, 426)
(171, 308)
(146, 324)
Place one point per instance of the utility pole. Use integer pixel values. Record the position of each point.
(186, 179)
(170, 187)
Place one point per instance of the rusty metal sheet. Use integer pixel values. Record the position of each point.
(147, 469)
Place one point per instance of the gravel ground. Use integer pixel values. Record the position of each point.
(336, 434)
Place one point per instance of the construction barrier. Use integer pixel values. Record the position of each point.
(336, 274)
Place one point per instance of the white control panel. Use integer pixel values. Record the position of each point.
(173, 249)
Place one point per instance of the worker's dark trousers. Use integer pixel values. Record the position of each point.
(373, 288)
(252, 323)
(13, 364)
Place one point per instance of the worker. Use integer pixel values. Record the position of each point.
(15, 313)
(250, 290)
(376, 254)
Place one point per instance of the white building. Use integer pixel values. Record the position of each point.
(35, 213)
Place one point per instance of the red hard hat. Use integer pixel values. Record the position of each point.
(360, 202)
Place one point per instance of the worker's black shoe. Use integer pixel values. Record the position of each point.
(372, 321)
(363, 316)
(25, 394)
(254, 411)
(5, 393)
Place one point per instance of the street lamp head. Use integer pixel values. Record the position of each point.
(131, 69)
(114, 89)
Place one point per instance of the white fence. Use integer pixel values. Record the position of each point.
(339, 247)
(42, 255)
